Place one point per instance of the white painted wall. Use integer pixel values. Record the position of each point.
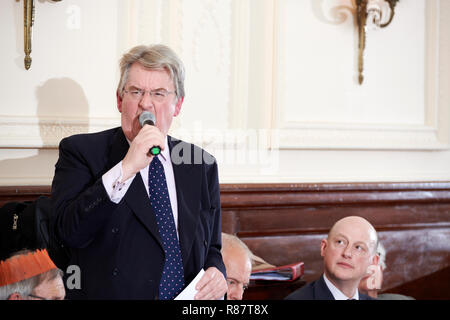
(271, 86)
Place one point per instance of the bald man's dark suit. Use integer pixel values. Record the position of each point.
(118, 246)
(317, 290)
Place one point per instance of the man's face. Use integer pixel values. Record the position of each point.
(50, 289)
(348, 251)
(142, 78)
(239, 268)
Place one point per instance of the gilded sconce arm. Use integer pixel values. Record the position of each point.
(392, 4)
(28, 22)
(362, 15)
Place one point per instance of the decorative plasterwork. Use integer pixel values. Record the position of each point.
(31, 132)
(34, 132)
(433, 134)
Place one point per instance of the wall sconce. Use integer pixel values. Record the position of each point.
(28, 22)
(371, 15)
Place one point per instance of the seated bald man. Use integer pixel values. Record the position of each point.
(347, 253)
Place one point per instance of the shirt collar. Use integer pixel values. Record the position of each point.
(165, 154)
(337, 294)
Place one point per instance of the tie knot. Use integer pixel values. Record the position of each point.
(155, 162)
(156, 169)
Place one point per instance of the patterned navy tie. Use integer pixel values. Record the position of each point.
(172, 279)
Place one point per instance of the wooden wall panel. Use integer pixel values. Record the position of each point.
(22, 193)
(285, 223)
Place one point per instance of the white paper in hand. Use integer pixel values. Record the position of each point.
(189, 292)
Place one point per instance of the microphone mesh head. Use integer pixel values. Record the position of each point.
(147, 117)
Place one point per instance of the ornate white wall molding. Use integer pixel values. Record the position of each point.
(33, 132)
(361, 137)
(234, 53)
(432, 134)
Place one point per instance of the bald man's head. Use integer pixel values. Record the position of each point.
(357, 223)
(348, 252)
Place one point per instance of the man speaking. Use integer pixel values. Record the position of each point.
(139, 225)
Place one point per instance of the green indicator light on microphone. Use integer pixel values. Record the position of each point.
(155, 151)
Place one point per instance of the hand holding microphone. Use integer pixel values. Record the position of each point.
(147, 117)
(145, 145)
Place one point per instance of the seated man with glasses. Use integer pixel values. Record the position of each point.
(30, 275)
(348, 252)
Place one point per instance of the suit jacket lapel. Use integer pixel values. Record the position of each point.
(137, 199)
(188, 186)
(119, 148)
(321, 291)
(136, 194)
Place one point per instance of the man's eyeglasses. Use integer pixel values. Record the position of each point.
(158, 95)
(234, 283)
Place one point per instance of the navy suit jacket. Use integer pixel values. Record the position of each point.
(117, 246)
(317, 290)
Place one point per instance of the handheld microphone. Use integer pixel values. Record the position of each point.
(147, 117)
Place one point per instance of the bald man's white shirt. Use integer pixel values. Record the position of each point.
(337, 294)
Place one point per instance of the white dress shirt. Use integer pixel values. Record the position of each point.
(116, 188)
(337, 294)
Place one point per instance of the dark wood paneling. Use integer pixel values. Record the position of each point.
(284, 223)
(432, 287)
(22, 193)
(271, 290)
